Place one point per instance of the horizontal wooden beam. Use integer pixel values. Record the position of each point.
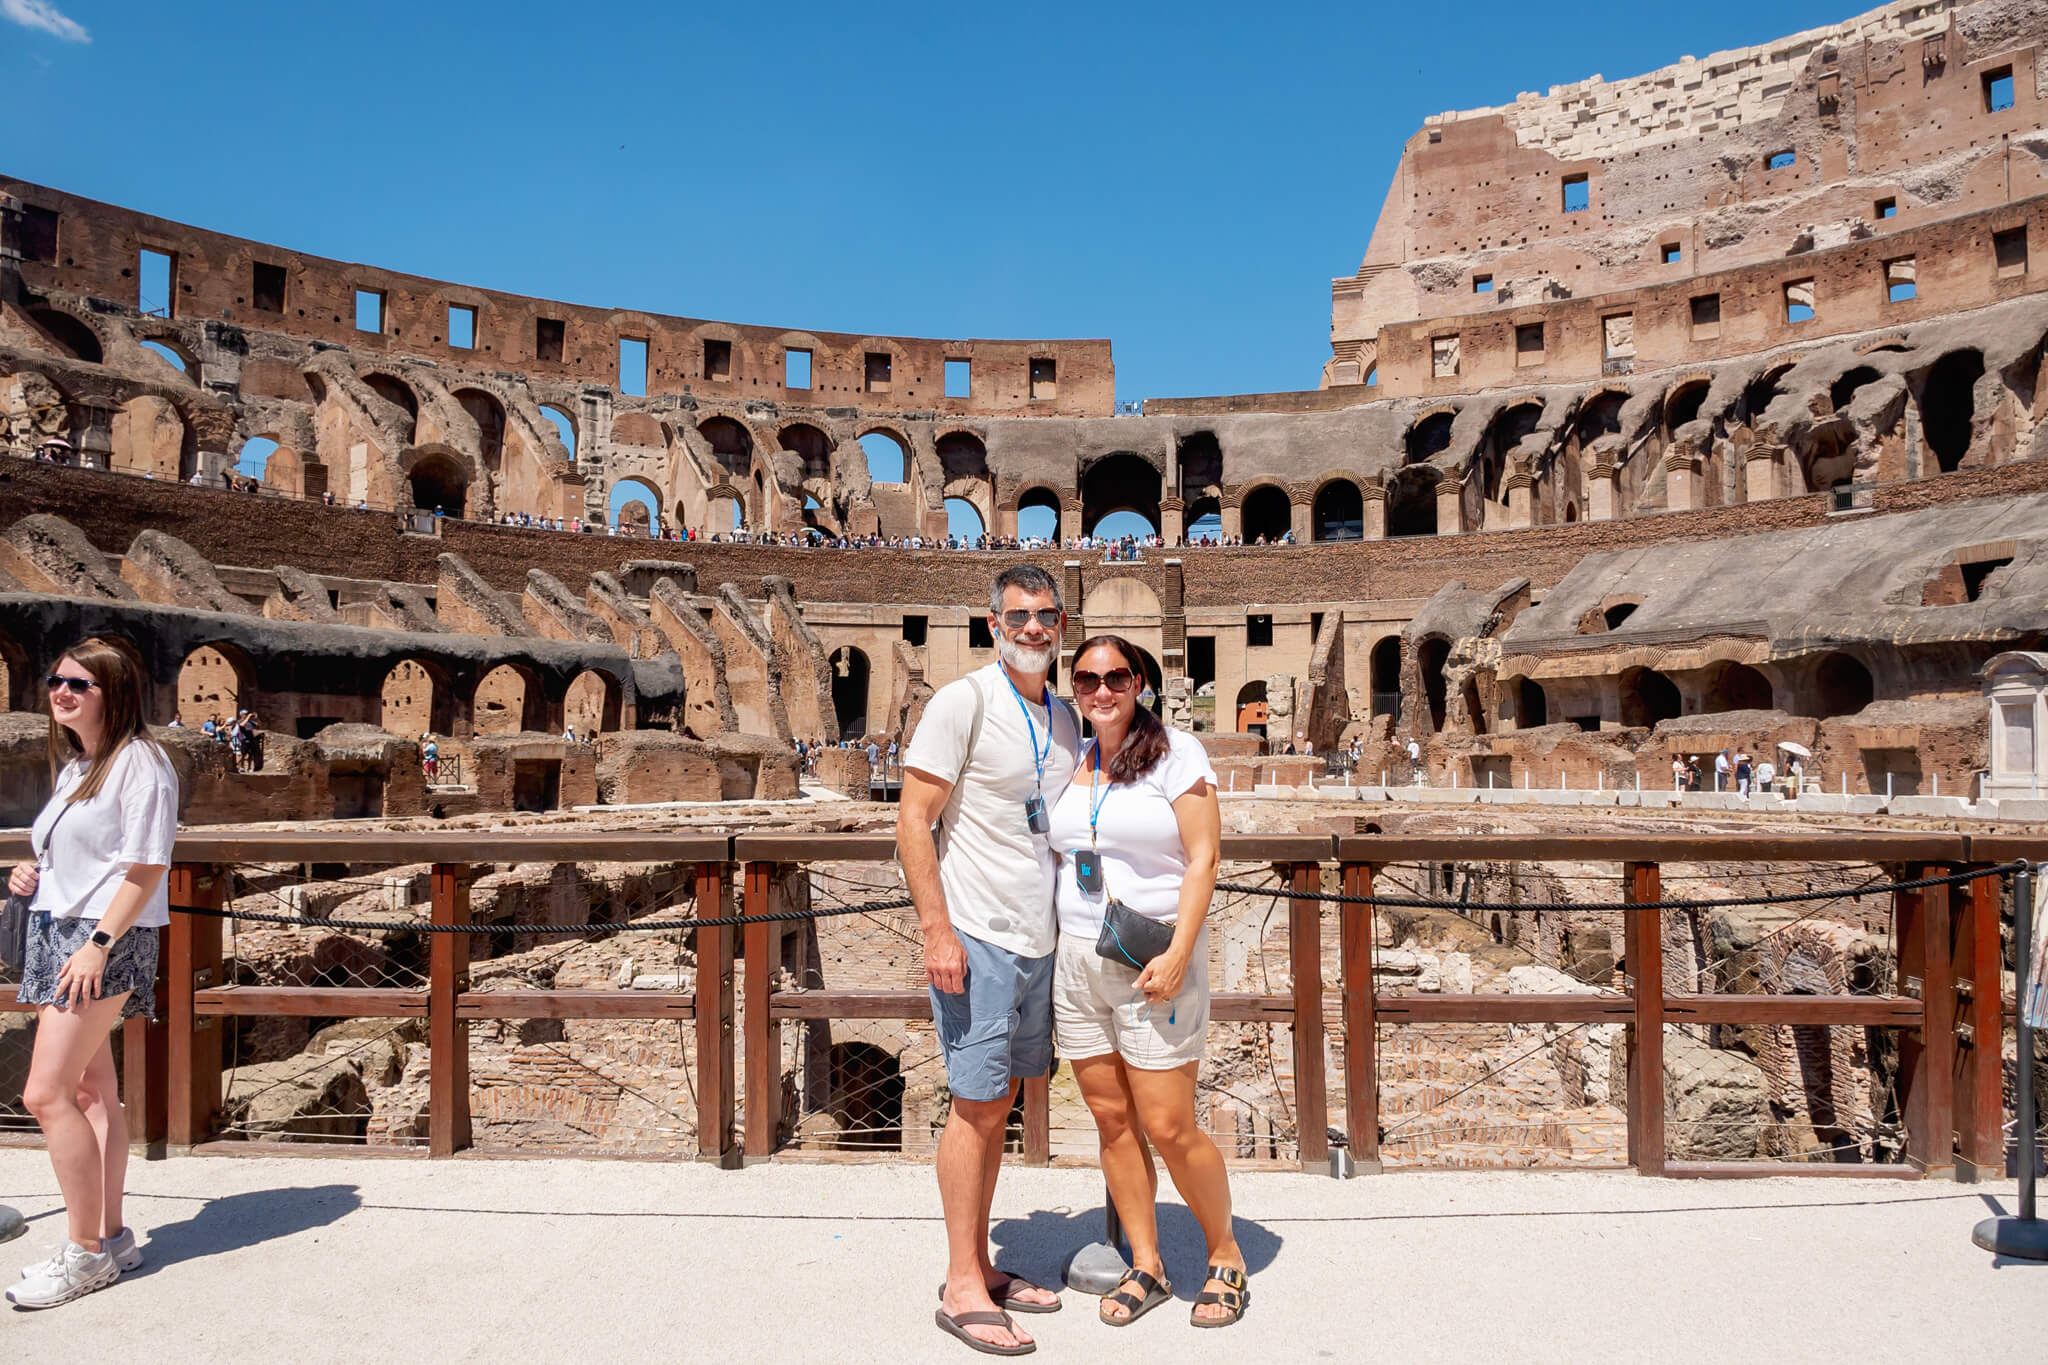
(1502, 1009)
(1821, 1170)
(1875, 1011)
(574, 1005)
(204, 845)
(1652, 848)
(823, 847)
(1227, 1006)
(342, 1002)
(2004, 848)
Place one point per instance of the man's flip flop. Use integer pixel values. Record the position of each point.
(957, 1327)
(1016, 1305)
(1156, 1293)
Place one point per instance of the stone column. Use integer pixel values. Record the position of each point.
(1681, 482)
(1006, 522)
(1521, 501)
(1450, 505)
(1233, 518)
(1172, 520)
(1601, 492)
(1301, 517)
(1070, 519)
(1375, 511)
(1761, 472)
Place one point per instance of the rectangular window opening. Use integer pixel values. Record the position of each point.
(548, 335)
(977, 633)
(796, 369)
(369, 310)
(718, 360)
(1706, 316)
(1618, 335)
(1778, 161)
(959, 379)
(266, 287)
(1670, 254)
(1443, 357)
(1578, 194)
(1975, 572)
(1799, 301)
(1998, 90)
(1482, 284)
(38, 234)
(879, 371)
(1529, 343)
(1898, 280)
(1886, 208)
(915, 628)
(1044, 378)
(632, 366)
(1258, 631)
(462, 328)
(155, 277)
(2009, 248)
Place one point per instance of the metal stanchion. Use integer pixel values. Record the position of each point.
(2025, 1236)
(1098, 1267)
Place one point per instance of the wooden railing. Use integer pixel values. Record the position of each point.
(1949, 1010)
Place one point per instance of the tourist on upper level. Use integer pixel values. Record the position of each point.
(1743, 772)
(103, 847)
(989, 761)
(1724, 770)
(1139, 834)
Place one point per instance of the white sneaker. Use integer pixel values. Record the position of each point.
(121, 1246)
(73, 1273)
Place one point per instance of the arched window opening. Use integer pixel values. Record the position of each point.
(1600, 417)
(212, 685)
(176, 361)
(1429, 436)
(1339, 511)
(1372, 376)
(1844, 389)
(1760, 392)
(1647, 697)
(1198, 460)
(71, 335)
(1204, 519)
(1251, 708)
(1532, 707)
(1685, 403)
(1266, 515)
(850, 691)
(963, 520)
(1038, 515)
(415, 702)
(1122, 482)
(395, 391)
(507, 702)
(255, 457)
(438, 482)
(730, 442)
(1386, 677)
(1948, 406)
(1735, 687)
(887, 459)
(591, 705)
(810, 445)
(1411, 502)
(489, 415)
(1430, 662)
(962, 456)
(1842, 686)
(565, 427)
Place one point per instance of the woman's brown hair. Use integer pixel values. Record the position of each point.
(1146, 743)
(117, 668)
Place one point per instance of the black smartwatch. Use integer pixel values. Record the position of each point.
(102, 939)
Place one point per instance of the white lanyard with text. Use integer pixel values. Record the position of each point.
(1035, 817)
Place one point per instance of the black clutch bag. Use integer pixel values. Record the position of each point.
(1128, 938)
(14, 931)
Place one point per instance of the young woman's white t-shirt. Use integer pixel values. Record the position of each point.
(133, 821)
(1143, 859)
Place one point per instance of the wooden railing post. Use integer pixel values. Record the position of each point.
(1643, 944)
(1980, 1034)
(1036, 1092)
(1361, 1021)
(1305, 963)
(1927, 1057)
(192, 1045)
(145, 1068)
(714, 1021)
(448, 1128)
(763, 1036)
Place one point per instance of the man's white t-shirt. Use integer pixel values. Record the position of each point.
(997, 874)
(1143, 859)
(132, 821)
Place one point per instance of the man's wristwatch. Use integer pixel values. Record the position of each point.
(102, 940)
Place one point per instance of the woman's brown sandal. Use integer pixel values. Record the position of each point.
(1156, 1292)
(1235, 1299)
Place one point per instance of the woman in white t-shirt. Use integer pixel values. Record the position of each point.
(103, 848)
(1139, 824)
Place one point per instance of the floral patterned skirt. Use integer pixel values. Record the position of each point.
(131, 964)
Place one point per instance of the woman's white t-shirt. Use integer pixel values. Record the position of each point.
(133, 821)
(1143, 859)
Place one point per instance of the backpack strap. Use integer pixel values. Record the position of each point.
(952, 810)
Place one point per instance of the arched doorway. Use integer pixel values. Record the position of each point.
(1339, 512)
(1948, 406)
(1266, 515)
(1251, 708)
(1647, 697)
(213, 684)
(1411, 502)
(809, 445)
(438, 481)
(1842, 686)
(1386, 677)
(1532, 708)
(1122, 482)
(730, 443)
(635, 505)
(415, 702)
(888, 457)
(1735, 687)
(963, 519)
(591, 705)
(962, 456)
(489, 415)
(1429, 661)
(850, 691)
(507, 703)
(565, 427)
(1038, 515)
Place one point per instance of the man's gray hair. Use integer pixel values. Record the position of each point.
(1025, 578)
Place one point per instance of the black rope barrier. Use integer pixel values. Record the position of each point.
(1779, 898)
(491, 927)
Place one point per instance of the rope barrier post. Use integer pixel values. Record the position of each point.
(1980, 1032)
(145, 1072)
(2026, 1236)
(1361, 1020)
(1643, 944)
(1305, 962)
(712, 1013)
(448, 1127)
(763, 1036)
(193, 1045)
(1927, 1053)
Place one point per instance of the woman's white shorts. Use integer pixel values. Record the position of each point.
(1098, 1009)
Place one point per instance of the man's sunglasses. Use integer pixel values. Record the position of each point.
(79, 686)
(1117, 680)
(1049, 617)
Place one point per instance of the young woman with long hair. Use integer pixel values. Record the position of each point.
(1139, 832)
(103, 852)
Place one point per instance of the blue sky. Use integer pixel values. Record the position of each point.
(1184, 179)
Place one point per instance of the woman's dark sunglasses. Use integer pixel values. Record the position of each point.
(1118, 680)
(79, 686)
(1049, 617)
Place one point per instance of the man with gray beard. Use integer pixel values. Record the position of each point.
(989, 760)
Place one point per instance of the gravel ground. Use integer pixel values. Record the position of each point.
(558, 1260)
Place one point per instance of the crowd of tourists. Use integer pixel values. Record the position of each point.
(242, 737)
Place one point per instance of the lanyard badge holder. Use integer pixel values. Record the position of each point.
(1035, 817)
(1088, 861)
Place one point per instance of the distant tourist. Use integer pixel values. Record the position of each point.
(1139, 834)
(1678, 772)
(1766, 773)
(992, 756)
(1742, 776)
(99, 897)
(1724, 769)
(1795, 777)
(176, 724)
(430, 758)
(1415, 761)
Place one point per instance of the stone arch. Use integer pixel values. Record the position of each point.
(962, 455)
(1730, 686)
(215, 679)
(851, 675)
(1430, 435)
(1121, 481)
(592, 705)
(887, 448)
(1532, 706)
(416, 699)
(812, 447)
(731, 443)
(1119, 600)
(1198, 465)
(1842, 686)
(1844, 388)
(1411, 502)
(172, 350)
(488, 413)
(1384, 677)
(633, 502)
(1683, 402)
(564, 424)
(438, 477)
(394, 391)
(1338, 511)
(70, 333)
(149, 436)
(1646, 697)
(1485, 475)
(508, 699)
(1265, 510)
(1599, 414)
(1250, 710)
(1035, 497)
(1948, 407)
(1760, 392)
(965, 507)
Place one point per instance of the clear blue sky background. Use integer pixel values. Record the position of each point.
(1184, 179)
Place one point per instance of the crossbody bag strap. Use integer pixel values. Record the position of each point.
(62, 811)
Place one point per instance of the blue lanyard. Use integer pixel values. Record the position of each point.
(1095, 804)
(1038, 756)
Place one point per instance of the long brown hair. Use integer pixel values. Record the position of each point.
(116, 666)
(1145, 744)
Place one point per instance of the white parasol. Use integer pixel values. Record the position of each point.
(1800, 749)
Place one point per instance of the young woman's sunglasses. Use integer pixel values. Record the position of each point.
(1049, 617)
(1118, 680)
(79, 686)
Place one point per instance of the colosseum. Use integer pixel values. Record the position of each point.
(1637, 442)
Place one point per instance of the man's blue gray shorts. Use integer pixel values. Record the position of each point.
(1000, 1025)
